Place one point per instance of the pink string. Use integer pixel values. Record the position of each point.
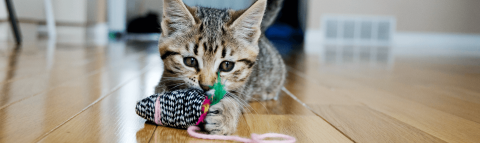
(158, 112)
(255, 137)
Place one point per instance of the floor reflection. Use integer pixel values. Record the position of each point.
(85, 93)
(9, 74)
(144, 135)
(5, 88)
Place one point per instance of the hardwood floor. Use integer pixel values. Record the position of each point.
(68, 93)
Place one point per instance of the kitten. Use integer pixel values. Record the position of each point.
(197, 43)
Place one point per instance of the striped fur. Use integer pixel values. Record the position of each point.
(213, 36)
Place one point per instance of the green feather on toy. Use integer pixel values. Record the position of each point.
(219, 91)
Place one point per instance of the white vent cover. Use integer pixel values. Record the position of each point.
(358, 29)
(356, 40)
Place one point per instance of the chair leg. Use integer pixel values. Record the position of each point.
(52, 34)
(13, 21)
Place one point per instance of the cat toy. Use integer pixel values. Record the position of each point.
(186, 108)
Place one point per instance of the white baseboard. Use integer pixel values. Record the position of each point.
(94, 34)
(437, 40)
(77, 35)
(98, 34)
(403, 41)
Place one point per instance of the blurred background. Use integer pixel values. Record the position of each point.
(405, 24)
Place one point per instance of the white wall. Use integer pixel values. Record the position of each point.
(117, 10)
(3, 11)
(96, 11)
(437, 16)
(31, 10)
(68, 12)
(72, 18)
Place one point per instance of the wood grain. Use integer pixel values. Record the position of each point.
(399, 101)
(67, 70)
(287, 116)
(40, 113)
(304, 128)
(113, 119)
(363, 124)
(354, 118)
(87, 94)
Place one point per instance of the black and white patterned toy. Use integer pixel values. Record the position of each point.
(179, 108)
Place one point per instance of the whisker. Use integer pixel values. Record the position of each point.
(178, 85)
(242, 102)
(248, 107)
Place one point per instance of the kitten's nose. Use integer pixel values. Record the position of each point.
(205, 87)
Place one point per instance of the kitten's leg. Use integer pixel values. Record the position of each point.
(269, 94)
(275, 93)
(222, 118)
(273, 87)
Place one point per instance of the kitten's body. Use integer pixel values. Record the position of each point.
(204, 39)
(268, 75)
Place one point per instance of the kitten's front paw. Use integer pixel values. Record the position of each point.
(221, 119)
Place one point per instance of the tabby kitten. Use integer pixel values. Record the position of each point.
(197, 43)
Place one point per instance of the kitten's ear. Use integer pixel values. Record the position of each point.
(247, 25)
(176, 17)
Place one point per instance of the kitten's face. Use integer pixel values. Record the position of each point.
(196, 60)
(207, 42)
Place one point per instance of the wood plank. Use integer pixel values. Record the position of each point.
(305, 128)
(31, 60)
(287, 116)
(311, 93)
(457, 92)
(404, 85)
(10, 90)
(443, 125)
(354, 118)
(366, 125)
(113, 119)
(432, 98)
(48, 110)
(437, 123)
(285, 105)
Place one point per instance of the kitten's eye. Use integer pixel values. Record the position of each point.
(226, 66)
(190, 61)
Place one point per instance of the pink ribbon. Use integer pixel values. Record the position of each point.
(158, 112)
(255, 137)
